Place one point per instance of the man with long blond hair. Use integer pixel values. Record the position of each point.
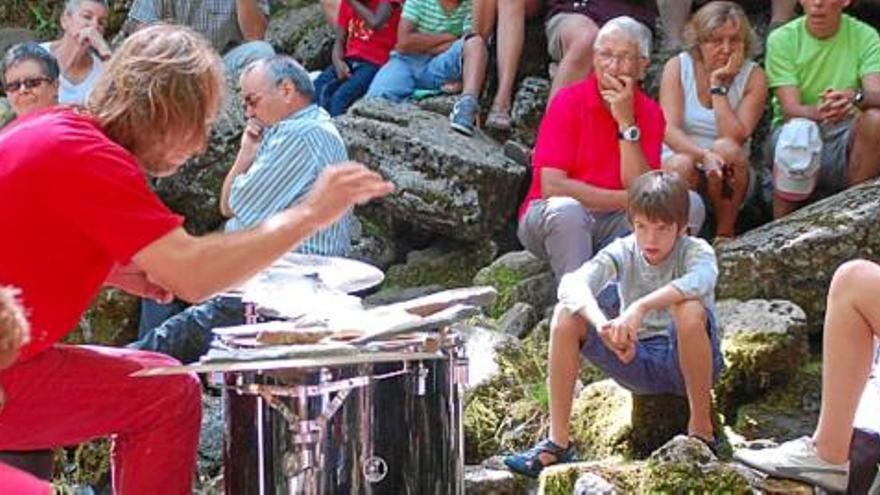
(92, 220)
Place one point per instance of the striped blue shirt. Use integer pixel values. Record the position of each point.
(291, 155)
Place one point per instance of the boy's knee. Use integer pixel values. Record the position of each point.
(566, 324)
(855, 274)
(689, 316)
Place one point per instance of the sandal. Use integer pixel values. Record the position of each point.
(498, 119)
(529, 463)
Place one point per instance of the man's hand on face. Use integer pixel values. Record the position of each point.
(91, 37)
(617, 92)
(340, 187)
(250, 141)
(14, 328)
(134, 280)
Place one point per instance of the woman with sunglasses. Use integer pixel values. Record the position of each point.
(30, 78)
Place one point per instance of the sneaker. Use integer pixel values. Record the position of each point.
(464, 114)
(797, 460)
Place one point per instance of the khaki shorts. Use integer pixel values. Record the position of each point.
(553, 31)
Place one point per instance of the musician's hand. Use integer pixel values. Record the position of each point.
(342, 186)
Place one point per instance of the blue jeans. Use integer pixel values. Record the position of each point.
(655, 369)
(187, 335)
(336, 95)
(406, 72)
(235, 60)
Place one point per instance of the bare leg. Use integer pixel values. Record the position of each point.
(851, 322)
(567, 333)
(331, 10)
(577, 34)
(475, 58)
(512, 16)
(864, 159)
(727, 209)
(782, 11)
(484, 13)
(782, 207)
(673, 16)
(695, 356)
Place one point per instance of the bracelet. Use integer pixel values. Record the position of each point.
(718, 90)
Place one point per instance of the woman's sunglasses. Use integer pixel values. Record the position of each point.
(29, 83)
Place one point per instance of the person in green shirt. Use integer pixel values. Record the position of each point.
(436, 50)
(825, 67)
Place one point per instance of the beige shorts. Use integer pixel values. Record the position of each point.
(553, 31)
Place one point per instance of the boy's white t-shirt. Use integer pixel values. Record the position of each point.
(76, 94)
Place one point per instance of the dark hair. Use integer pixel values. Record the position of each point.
(659, 195)
(282, 68)
(29, 50)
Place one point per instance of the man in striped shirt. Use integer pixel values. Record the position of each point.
(286, 144)
(436, 50)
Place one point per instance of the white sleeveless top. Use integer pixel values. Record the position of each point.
(698, 121)
(76, 94)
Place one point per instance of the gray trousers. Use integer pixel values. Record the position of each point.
(563, 232)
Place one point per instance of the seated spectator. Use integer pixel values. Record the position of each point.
(511, 18)
(596, 138)
(713, 96)
(30, 78)
(824, 67)
(81, 49)
(288, 141)
(235, 28)
(571, 28)
(365, 35)
(852, 327)
(665, 341)
(433, 52)
(674, 15)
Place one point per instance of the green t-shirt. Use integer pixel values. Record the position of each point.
(796, 58)
(429, 16)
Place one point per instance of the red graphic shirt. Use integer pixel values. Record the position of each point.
(364, 43)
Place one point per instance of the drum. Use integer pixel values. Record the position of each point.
(366, 424)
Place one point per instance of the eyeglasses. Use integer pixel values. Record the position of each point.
(719, 40)
(29, 83)
(605, 57)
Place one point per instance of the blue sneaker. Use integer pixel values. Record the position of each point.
(529, 464)
(464, 114)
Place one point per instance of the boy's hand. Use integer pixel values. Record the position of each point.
(625, 352)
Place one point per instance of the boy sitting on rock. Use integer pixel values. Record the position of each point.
(665, 340)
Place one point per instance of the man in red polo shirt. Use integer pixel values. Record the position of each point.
(596, 137)
(78, 214)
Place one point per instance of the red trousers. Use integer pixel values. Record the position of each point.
(70, 394)
(20, 483)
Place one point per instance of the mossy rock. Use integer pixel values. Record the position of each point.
(510, 412)
(786, 413)
(765, 345)
(111, 320)
(601, 421)
(561, 479)
(87, 464)
(514, 275)
(686, 465)
(449, 265)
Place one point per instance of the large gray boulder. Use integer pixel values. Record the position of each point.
(794, 257)
(303, 33)
(446, 183)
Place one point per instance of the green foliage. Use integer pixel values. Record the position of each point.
(85, 464)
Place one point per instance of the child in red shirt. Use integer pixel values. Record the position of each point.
(366, 32)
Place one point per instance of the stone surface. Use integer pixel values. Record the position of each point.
(11, 36)
(482, 346)
(479, 480)
(519, 320)
(764, 346)
(449, 264)
(210, 460)
(794, 257)
(604, 477)
(303, 33)
(111, 320)
(456, 186)
(519, 276)
(686, 465)
(528, 108)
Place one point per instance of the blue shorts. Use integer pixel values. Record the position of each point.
(407, 72)
(655, 369)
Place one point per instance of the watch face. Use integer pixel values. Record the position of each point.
(631, 133)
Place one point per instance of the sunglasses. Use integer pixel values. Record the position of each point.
(29, 83)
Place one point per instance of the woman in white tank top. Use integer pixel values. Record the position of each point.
(81, 49)
(713, 96)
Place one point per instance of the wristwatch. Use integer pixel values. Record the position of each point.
(630, 133)
(718, 90)
(858, 98)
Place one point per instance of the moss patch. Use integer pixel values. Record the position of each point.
(112, 320)
(600, 421)
(561, 479)
(669, 477)
(453, 268)
(85, 464)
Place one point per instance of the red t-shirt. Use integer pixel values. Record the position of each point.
(18, 482)
(72, 203)
(579, 136)
(362, 42)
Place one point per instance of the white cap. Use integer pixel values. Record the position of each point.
(797, 159)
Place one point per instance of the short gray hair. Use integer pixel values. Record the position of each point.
(282, 68)
(72, 6)
(630, 28)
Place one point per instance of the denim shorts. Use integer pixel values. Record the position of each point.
(407, 72)
(655, 370)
